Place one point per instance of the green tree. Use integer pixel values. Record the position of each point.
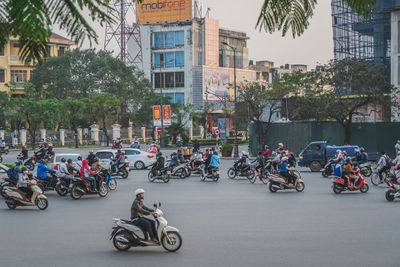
(294, 15)
(32, 21)
(73, 114)
(181, 116)
(103, 108)
(343, 88)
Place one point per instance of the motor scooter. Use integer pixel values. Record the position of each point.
(328, 169)
(82, 187)
(393, 189)
(338, 184)
(127, 234)
(212, 174)
(15, 197)
(163, 175)
(7, 182)
(28, 163)
(280, 183)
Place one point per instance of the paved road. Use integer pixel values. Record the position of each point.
(228, 223)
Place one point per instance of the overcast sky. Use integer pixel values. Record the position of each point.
(314, 46)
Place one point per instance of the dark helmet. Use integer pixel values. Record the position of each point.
(159, 154)
(63, 160)
(69, 160)
(119, 150)
(79, 158)
(96, 160)
(24, 169)
(362, 149)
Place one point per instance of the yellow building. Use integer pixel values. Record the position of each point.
(12, 69)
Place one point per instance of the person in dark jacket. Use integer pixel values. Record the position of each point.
(196, 145)
(24, 153)
(91, 157)
(138, 211)
(159, 165)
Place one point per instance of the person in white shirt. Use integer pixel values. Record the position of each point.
(62, 170)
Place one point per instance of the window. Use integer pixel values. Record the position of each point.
(19, 76)
(159, 40)
(169, 79)
(179, 79)
(171, 97)
(179, 59)
(179, 38)
(169, 39)
(157, 80)
(2, 76)
(180, 98)
(31, 75)
(16, 45)
(132, 152)
(104, 155)
(1, 51)
(169, 60)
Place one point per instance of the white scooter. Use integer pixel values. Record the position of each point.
(126, 234)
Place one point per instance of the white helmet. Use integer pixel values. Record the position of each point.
(284, 158)
(139, 191)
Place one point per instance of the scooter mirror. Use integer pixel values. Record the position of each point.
(155, 205)
(159, 204)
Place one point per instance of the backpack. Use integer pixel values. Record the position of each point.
(12, 172)
(389, 162)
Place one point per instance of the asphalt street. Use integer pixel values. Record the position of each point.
(224, 223)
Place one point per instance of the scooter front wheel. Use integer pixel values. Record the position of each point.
(172, 241)
(112, 184)
(103, 190)
(390, 194)
(42, 203)
(300, 187)
(364, 188)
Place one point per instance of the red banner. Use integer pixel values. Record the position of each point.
(167, 115)
(157, 115)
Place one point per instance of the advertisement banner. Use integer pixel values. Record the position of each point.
(154, 11)
(216, 83)
(167, 115)
(157, 116)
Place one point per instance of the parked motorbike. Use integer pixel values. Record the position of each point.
(28, 163)
(127, 234)
(281, 183)
(163, 175)
(82, 187)
(14, 197)
(235, 171)
(212, 174)
(359, 184)
(122, 169)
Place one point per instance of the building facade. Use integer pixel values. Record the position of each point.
(12, 69)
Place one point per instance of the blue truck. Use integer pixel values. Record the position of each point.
(316, 154)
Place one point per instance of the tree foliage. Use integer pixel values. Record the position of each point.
(294, 15)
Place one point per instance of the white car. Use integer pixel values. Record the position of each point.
(67, 156)
(136, 158)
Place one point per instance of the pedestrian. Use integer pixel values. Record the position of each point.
(397, 147)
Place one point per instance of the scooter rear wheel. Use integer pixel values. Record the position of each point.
(124, 173)
(61, 189)
(325, 173)
(166, 179)
(75, 194)
(11, 205)
(150, 176)
(272, 188)
(121, 246)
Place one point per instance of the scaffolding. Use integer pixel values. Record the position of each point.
(356, 36)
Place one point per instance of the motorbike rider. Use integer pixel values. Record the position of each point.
(361, 157)
(117, 160)
(138, 211)
(337, 169)
(50, 151)
(196, 160)
(285, 171)
(280, 148)
(13, 172)
(350, 172)
(397, 159)
(266, 153)
(41, 152)
(23, 183)
(159, 165)
(384, 164)
(153, 149)
(91, 157)
(88, 174)
(397, 172)
(42, 171)
(174, 161)
(215, 161)
(243, 162)
(62, 170)
(196, 145)
(260, 162)
(208, 159)
(24, 153)
(78, 164)
(292, 160)
(71, 167)
(96, 166)
(180, 156)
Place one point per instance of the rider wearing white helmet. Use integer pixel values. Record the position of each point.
(139, 210)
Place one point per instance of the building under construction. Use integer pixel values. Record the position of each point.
(356, 36)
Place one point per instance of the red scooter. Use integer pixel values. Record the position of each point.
(359, 184)
(82, 187)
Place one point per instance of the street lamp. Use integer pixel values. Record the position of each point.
(235, 144)
(162, 106)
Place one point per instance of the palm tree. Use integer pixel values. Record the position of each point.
(294, 15)
(32, 20)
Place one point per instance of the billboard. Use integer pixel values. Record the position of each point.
(153, 11)
(215, 83)
(157, 115)
(166, 115)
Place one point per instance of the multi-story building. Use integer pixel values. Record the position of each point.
(13, 69)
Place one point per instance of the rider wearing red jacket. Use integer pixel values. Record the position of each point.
(87, 173)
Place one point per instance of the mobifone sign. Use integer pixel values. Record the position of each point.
(154, 11)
